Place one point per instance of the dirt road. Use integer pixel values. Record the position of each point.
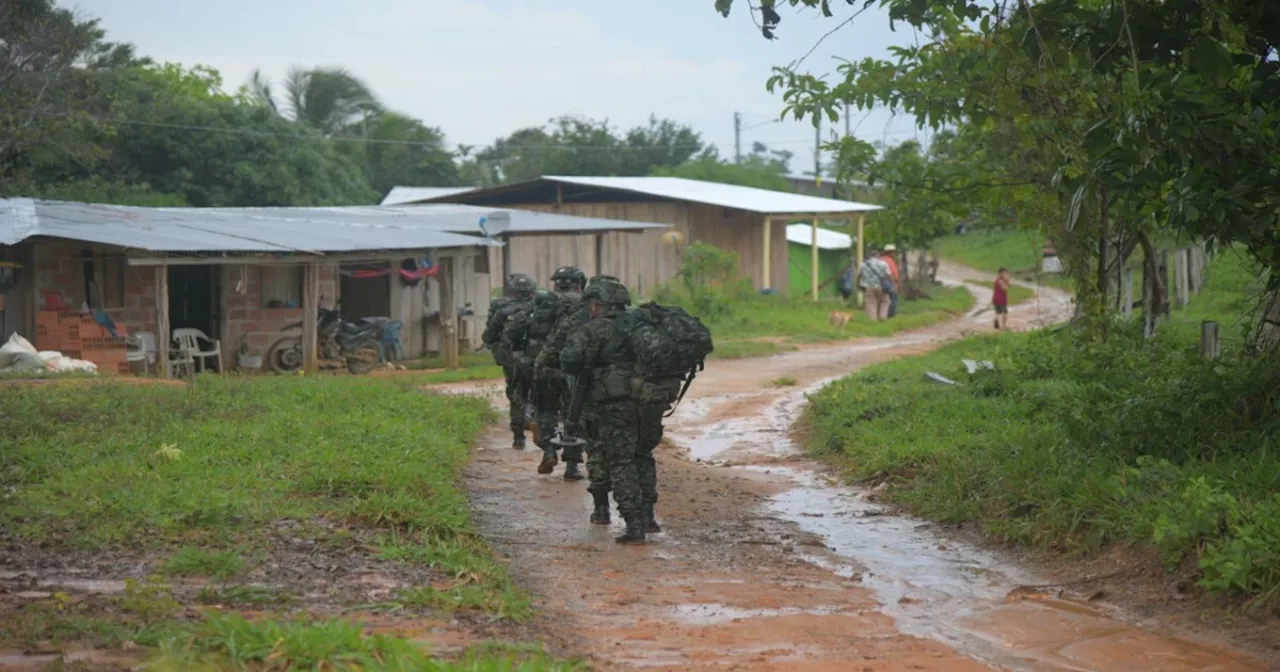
(768, 564)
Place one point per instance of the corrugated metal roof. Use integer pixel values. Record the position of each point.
(453, 217)
(318, 229)
(402, 195)
(827, 239)
(763, 201)
(225, 229)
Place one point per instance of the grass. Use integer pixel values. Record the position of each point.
(200, 479)
(474, 366)
(1073, 446)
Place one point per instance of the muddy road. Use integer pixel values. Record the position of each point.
(766, 563)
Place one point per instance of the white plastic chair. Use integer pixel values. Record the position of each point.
(189, 340)
(142, 348)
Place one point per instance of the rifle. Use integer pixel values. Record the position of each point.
(569, 435)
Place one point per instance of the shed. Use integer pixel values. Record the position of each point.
(248, 272)
(736, 218)
(402, 195)
(835, 252)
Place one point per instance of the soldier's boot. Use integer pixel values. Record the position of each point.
(600, 516)
(518, 442)
(572, 471)
(549, 461)
(651, 524)
(634, 533)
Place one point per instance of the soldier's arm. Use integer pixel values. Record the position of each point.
(549, 356)
(492, 330)
(577, 353)
(516, 333)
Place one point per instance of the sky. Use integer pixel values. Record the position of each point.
(480, 69)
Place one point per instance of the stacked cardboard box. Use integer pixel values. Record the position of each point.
(81, 337)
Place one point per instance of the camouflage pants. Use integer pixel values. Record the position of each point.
(516, 396)
(547, 412)
(597, 468)
(617, 426)
(650, 436)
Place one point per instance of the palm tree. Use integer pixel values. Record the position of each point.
(328, 99)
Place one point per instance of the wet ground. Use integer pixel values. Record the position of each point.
(766, 563)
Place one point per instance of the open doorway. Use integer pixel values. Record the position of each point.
(365, 296)
(194, 299)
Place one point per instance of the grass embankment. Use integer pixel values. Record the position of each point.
(989, 250)
(474, 366)
(1073, 446)
(227, 494)
(764, 325)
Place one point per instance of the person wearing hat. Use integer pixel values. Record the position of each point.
(875, 280)
(889, 254)
(600, 352)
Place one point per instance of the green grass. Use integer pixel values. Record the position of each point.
(989, 250)
(1074, 446)
(191, 561)
(225, 641)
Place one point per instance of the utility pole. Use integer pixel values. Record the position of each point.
(737, 137)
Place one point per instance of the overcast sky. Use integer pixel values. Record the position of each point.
(480, 69)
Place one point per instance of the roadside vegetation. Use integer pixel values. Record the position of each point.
(272, 494)
(1074, 445)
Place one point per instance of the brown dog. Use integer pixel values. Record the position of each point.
(839, 319)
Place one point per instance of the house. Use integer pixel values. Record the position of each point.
(403, 195)
(835, 253)
(736, 218)
(245, 274)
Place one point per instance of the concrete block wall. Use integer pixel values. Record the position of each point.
(247, 314)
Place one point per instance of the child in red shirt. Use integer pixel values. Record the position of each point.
(1000, 299)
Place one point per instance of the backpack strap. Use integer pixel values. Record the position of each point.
(688, 380)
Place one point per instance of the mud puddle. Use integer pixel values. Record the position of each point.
(933, 587)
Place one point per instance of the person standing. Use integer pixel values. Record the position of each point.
(601, 354)
(890, 251)
(520, 292)
(1000, 298)
(874, 280)
(553, 398)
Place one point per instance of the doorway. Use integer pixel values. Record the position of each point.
(194, 299)
(363, 297)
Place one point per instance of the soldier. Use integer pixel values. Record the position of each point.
(520, 292)
(602, 357)
(654, 404)
(547, 367)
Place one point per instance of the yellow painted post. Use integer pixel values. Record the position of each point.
(813, 256)
(861, 250)
(767, 281)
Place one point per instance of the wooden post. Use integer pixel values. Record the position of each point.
(448, 315)
(813, 257)
(1210, 345)
(162, 320)
(310, 315)
(506, 261)
(767, 261)
(1126, 293)
(861, 258)
(599, 254)
(1181, 277)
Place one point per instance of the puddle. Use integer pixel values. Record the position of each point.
(714, 614)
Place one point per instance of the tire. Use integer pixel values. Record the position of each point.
(285, 355)
(361, 361)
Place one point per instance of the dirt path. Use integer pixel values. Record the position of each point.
(766, 564)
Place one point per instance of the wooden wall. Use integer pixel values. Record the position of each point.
(641, 260)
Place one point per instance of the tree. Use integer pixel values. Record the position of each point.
(403, 150)
(760, 169)
(330, 100)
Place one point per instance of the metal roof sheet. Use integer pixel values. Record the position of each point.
(763, 201)
(827, 239)
(224, 229)
(402, 195)
(312, 229)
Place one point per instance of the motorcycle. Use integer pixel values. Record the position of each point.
(338, 340)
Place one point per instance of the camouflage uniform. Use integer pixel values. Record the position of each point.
(603, 352)
(524, 336)
(521, 289)
(652, 414)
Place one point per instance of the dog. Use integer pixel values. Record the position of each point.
(839, 319)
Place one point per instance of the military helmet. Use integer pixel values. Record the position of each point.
(608, 292)
(520, 283)
(568, 275)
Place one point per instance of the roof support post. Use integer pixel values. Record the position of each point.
(162, 320)
(310, 317)
(448, 314)
(813, 256)
(862, 297)
(599, 254)
(506, 261)
(766, 282)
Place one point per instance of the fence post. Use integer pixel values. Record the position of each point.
(1181, 277)
(1210, 345)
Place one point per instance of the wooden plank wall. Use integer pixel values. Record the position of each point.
(642, 260)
